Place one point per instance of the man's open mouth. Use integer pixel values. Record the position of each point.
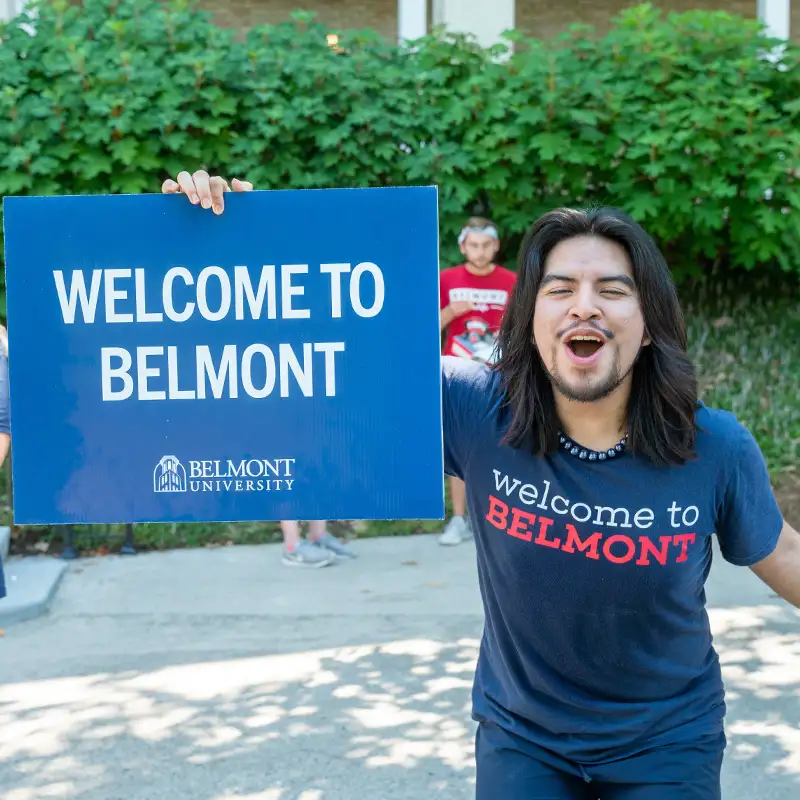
(584, 345)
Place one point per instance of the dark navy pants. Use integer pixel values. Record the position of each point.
(510, 768)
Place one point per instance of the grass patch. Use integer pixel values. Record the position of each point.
(745, 340)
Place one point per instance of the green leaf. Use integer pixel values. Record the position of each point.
(549, 145)
(641, 206)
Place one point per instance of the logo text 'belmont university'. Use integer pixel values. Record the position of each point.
(245, 475)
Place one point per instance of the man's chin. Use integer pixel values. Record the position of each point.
(585, 396)
(583, 390)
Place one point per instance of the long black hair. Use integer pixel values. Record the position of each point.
(663, 400)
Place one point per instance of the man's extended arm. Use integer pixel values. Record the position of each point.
(781, 569)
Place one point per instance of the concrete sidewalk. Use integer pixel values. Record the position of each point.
(31, 586)
(220, 674)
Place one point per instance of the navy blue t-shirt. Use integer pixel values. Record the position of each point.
(596, 639)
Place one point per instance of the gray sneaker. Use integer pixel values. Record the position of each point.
(306, 554)
(333, 545)
(456, 531)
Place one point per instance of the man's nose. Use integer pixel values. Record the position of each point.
(585, 306)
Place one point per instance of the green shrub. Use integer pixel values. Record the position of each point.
(680, 120)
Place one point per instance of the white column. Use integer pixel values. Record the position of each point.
(775, 15)
(484, 19)
(8, 10)
(412, 19)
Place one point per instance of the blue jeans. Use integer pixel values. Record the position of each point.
(510, 768)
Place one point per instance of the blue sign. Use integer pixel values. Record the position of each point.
(280, 361)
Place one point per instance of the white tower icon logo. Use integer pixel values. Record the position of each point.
(169, 475)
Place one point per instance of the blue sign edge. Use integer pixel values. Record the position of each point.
(14, 199)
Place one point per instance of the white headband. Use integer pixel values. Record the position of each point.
(489, 230)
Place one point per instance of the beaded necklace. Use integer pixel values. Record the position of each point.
(585, 454)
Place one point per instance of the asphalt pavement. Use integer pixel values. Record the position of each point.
(220, 674)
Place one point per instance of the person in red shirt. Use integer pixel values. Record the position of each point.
(472, 300)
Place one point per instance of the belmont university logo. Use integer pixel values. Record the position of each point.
(169, 475)
(224, 475)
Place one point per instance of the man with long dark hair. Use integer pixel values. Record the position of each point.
(596, 480)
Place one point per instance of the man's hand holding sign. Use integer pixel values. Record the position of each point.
(202, 189)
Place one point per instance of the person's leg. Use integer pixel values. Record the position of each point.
(507, 771)
(458, 496)
(299, 553)
(291, 533)
(318, 533)
(687, 771)
(458, 529)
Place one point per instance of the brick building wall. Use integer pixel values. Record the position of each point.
(794, 21)
(539, 18)
(378, 15)
(543, 19)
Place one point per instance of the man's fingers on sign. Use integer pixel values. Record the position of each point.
(202, 186)
(241, 186)
(206, 190)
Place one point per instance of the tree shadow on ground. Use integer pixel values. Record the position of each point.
(388, 720)
(382, 721)
(759, 649)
